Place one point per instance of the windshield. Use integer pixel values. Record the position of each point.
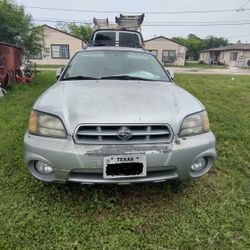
(107, 64)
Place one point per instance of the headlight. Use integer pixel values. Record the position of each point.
(195, 124)
(46, 125)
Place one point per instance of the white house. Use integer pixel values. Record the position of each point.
(166, 50)
(232, 55)
(59, 47)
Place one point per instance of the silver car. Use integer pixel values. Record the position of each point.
(115, 116)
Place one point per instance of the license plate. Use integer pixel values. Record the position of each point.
(124, 166)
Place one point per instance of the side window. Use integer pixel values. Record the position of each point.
(127, 39)
(168, 56)
(104, 39)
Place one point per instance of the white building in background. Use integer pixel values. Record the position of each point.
(233, 55)
(59, 47)
(166, 50)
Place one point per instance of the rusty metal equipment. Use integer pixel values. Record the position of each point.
(10, 62)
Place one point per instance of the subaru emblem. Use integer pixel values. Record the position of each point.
(124, 134)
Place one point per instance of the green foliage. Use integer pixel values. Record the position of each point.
(210, 213)
(81, 31)
(16, 28)
(180, 40)
(214, 42)
(195, 44)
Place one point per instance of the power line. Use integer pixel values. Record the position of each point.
(62, 20)
(242, 7)
(158, 24)
(146, 12)
(152, 22)
(199, 22)
(238, 36)
(197, 25)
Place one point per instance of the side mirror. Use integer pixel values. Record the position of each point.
(170, 73)
(59, 72)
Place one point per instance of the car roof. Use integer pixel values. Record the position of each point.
(105, 48)
(118, 30)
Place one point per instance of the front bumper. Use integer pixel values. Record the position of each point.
(84, 163)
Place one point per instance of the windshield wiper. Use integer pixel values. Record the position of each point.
(80, 78)
(126, 77)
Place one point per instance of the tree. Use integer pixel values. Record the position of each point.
(180, 40)
(81, 31)
(195, 44)
(16, 28)
(62, 26)
(214, 42)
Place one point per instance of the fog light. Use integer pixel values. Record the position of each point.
(43, 168)
(199, 165)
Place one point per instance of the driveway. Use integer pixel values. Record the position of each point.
(215, 71)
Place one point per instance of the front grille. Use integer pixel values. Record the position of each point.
(123, 134)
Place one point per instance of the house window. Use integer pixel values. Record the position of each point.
(37, 56)
(153, 51)
(168, 56)
(60, 51)
(233, 56)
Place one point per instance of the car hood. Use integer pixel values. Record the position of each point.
(117, 102)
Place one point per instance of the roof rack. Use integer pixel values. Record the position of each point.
(129, 22)
(103, 24)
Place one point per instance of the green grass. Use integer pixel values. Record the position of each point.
(48, 66)
(194, 64)
(210, 213)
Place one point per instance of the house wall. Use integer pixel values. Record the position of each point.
(204, 56)
(161, 44)
(247, 58)
(242, 58)
(224, 57)
(52, 36)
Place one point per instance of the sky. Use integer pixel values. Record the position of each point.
(160, 19)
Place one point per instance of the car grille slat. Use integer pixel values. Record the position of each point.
(97, 133)
(108, 134)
